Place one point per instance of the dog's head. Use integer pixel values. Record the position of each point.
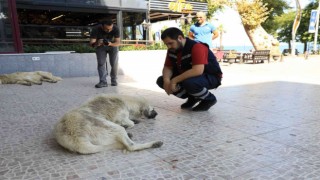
(149, 112)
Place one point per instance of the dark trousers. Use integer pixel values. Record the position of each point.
(197, 87)
(102, 53)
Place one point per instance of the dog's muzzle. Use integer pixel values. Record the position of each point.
(152, 114)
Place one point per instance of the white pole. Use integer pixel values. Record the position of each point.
(316, 30)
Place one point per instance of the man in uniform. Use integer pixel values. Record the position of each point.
(190, 71)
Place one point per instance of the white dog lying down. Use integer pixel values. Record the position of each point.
(28, 78)
(100, 124)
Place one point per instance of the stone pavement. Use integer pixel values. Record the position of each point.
(264, 126)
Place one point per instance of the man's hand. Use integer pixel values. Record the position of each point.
(100, 42)
(174, 86)
(167, 86)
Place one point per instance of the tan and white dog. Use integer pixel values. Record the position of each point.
(100, 124)
(28, 78)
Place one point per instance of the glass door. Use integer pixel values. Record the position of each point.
(9, 30)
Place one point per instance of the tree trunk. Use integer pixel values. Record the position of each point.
(305, 47)
(295, 26)
(261, 40)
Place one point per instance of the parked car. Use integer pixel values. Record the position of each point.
(286, 52)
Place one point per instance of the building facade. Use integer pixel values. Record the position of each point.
(49, 22)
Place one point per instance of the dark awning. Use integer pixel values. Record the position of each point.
(135, 5)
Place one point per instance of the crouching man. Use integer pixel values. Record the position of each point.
(190, 71)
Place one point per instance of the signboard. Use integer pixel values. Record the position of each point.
(312, 23)
(177, 6)
(180, 6)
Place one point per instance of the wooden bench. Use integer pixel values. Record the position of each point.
(231, 54)
(257, 56)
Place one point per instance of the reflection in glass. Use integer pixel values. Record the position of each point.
(6, 36)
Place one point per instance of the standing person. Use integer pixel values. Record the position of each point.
(203, 31)
(106, 39)
(190, 71)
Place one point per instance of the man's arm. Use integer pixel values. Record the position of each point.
(167, 74)
(191, 35)
(93, 42)
(196, 70)
(215, 34)
(115, 43)
(199, 55)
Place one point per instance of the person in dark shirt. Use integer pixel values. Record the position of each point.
(106, 39)
(190, 71)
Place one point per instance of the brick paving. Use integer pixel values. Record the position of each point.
(264, 126)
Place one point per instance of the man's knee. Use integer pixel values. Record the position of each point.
(188, 83)
(101, 63)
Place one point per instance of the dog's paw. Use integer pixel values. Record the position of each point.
(27, 84)
(126, 126)
(130, 135)
(125, 151)
(157, 144)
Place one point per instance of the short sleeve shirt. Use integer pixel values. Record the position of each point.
(203, 33)
(99, 33)
(199, 55)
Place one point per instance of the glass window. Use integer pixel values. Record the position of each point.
(132, 28)
(6, 36)
(61, 27)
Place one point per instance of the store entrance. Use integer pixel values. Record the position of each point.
(40, 27)
(8, 37)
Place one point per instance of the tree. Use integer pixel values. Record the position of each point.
(277, 8)
(303, 35)
(285, 22)
(253, 14)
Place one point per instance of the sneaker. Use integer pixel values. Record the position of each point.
(101, 84)
(204, 105)
(189, 103)
(114, 83)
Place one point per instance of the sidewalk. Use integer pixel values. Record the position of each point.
(264, 126)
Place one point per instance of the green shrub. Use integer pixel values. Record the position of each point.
(139, 47)
(43, 48)
(80, 48)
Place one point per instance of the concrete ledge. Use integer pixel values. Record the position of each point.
(78, 64)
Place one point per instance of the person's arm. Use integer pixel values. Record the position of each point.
(167, 74)
(93, 38)
(199, 57)
(215, 34)
(93, 42)
(115, 43)
(191, 35)
(196, 70)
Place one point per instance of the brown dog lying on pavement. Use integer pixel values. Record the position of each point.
(100, 123)
(28, 78)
